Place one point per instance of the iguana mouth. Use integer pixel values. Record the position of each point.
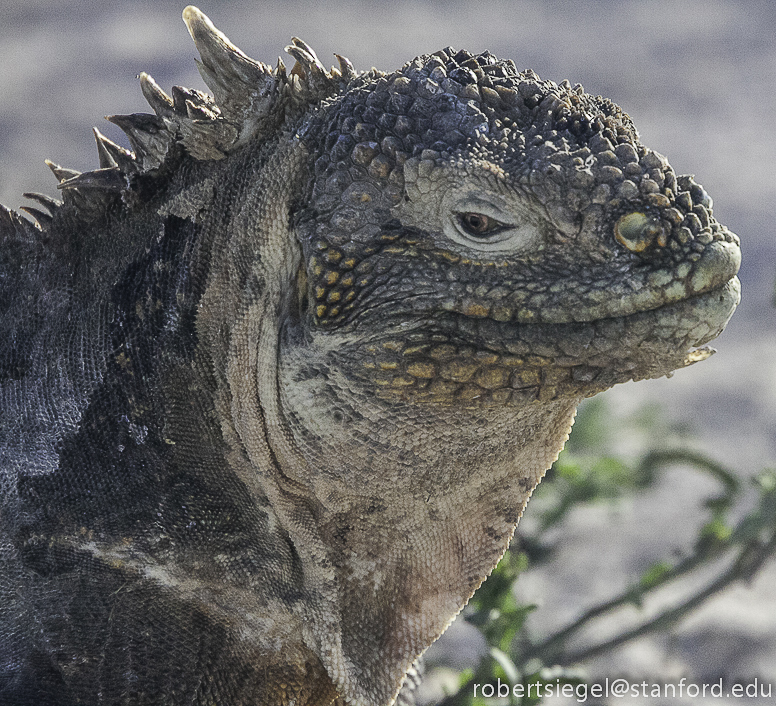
(481, 362)
(408, 281)
(648, 287)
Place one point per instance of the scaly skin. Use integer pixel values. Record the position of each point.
(278, 383)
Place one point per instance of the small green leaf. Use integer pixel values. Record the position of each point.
(716, 529)
(464, 677)
(654, 575)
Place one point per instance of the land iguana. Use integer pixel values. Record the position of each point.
(278, 381)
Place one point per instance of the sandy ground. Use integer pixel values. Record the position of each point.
(699, 80)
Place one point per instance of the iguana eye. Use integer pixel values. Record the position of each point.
(486, 222)
(478, 225)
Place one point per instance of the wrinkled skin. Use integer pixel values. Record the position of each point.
(277, 385)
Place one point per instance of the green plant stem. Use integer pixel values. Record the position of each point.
(750, 560)
(547, 649)
(650, 464)
(655, 459)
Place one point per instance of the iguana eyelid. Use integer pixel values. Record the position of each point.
(515, 235)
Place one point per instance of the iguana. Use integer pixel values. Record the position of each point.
(278, 381)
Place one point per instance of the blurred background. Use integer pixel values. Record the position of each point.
(699, 80)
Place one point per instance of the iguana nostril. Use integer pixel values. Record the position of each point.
(637, 231)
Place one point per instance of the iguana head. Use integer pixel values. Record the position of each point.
(483, 208)
(486, 237)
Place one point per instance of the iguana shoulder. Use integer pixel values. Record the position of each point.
(278, 381)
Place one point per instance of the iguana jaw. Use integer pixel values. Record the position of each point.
(646, 288)
(463, 360)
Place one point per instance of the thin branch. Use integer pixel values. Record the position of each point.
(751, 559)
(664, 458)
(688, 565)
(707, 553)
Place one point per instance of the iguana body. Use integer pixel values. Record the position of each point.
(277, 385)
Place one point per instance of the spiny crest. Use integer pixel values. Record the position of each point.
(250, 100)
(14, 227)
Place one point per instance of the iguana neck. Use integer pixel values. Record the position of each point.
(403, 505)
